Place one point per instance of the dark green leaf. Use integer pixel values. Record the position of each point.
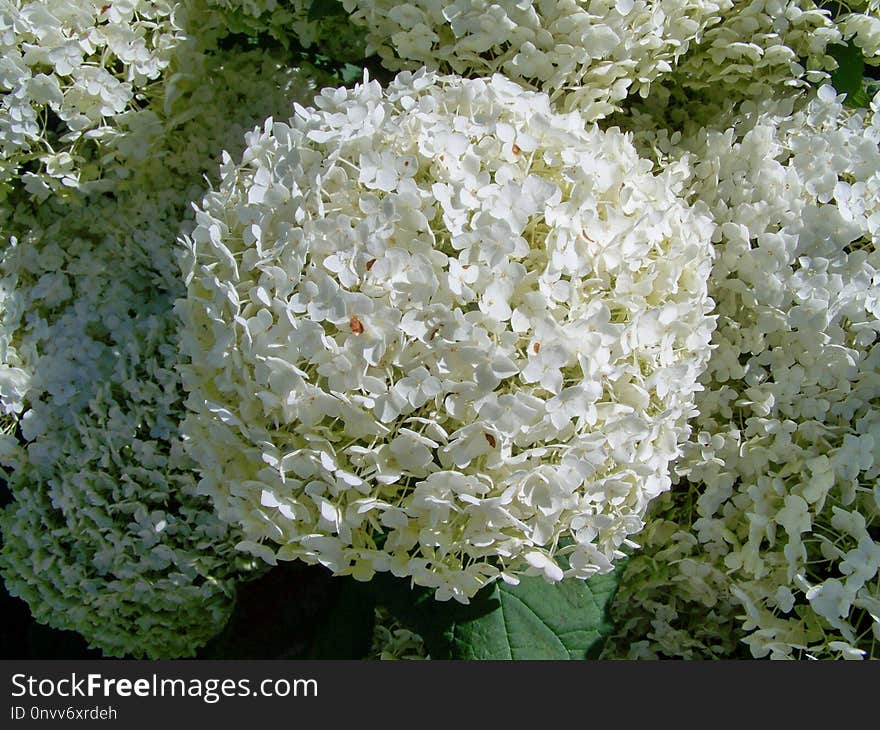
(849, 77)
(539, 620)
(325, 9)
(534, 620)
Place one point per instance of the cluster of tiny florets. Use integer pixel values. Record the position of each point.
(106, 534)
(444, 331)
(68, 70)
(591, 54)
(450, 329)
(774, 533)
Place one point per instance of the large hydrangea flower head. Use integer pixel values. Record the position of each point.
(760, 49)
(105, 534)
(80, 80)
(593, 54)
(443, 331)
(762, 46)
(70, 68)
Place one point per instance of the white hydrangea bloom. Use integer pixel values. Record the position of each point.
(76, 78)
(671, 600)
(783, 467)
(14, 379)
(67, 69)
(106, 534)
(594, 53)
(762, 44)
(862, 24)
(441, 331)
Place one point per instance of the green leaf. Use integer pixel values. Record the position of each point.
(539, 620)
(534, 620)
(324, 9)
(848, 78)
(351, 74)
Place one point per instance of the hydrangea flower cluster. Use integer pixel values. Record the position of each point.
(757, 48)
(784, 464)
(672, 601)
(106, 534)
(14, 379)
(451, 329)
(444, 331)
(592, 53)
(81, 81)
(860, 21)
(68, 69)
(761, 45)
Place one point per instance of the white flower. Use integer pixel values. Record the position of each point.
(426, 343)
(783, 468)
(106, 534)
(594, 55)
(830, 599)
(83, 62)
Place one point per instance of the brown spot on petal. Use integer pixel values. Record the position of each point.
(355, 324)
(536, 348)
(584, 234)
(105, 9)
(516, 148)
(370, 264)
(491, 439)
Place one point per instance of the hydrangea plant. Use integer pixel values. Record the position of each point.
(69, 69)
(460, 329)
(79, 77)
